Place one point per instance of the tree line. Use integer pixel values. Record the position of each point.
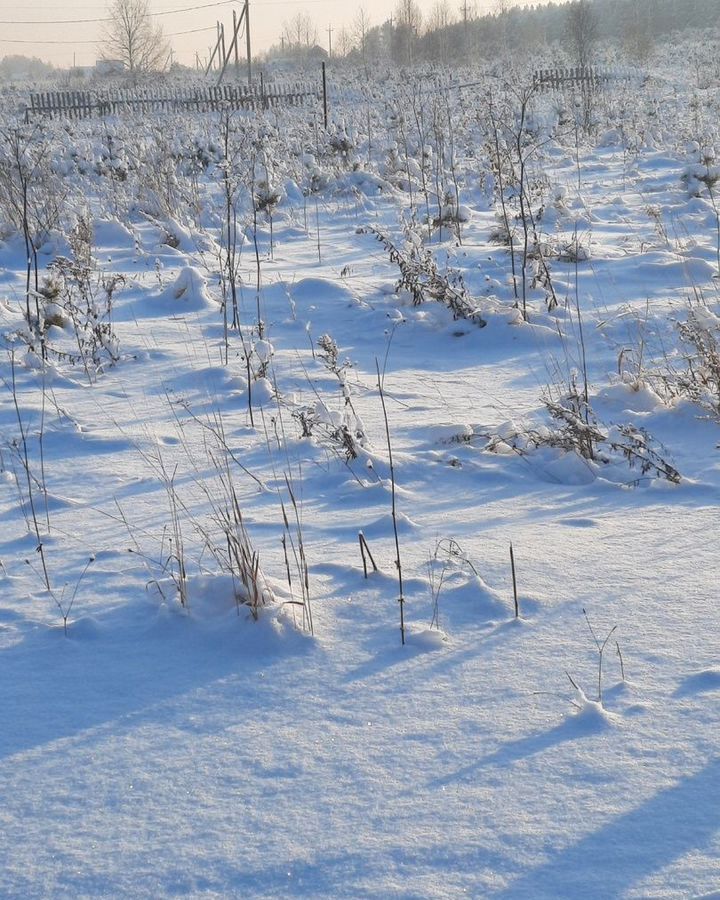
(445, 35)
(449, 36)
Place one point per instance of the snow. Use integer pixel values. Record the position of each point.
(159, 741)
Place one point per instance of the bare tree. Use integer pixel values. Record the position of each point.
(343, 42)
(500, 13)
(133, 38)
(408, 14)
(408, 17)
(582, 31)
(361, 27)
(638, 41)
(300, 32)
(581, 28)
(441, 17)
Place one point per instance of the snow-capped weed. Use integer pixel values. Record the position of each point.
(365, 554)
(575, 428)
(86, 300)
(700, 381)
(600, 647)
(64, 602)
(421, 276)
(398, 562)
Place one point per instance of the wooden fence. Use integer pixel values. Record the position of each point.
(581, 76)
(84, 104)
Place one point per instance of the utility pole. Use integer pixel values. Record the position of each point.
(233, 48)
(235, 30)
(247, 41)
(215, 51)
(224, 53)
(324, 91)
(465, 12)
(330, 33)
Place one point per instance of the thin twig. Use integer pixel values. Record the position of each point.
(514, 581)
(401, 598)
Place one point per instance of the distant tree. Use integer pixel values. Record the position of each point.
(378, 45)
(361, 29)
(438, 24)
(637, 33)
(15, 65)
(132, 37)
(581, 26)
(500, 12)
(441, 15)
(300, 32)
(343, 42)
(408, 22)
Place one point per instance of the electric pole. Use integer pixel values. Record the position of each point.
(235, 31)
(330, 33)
(232, 50)
(247, 36)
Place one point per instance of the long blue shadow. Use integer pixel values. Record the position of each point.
(613, 859)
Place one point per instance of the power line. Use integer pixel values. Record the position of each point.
(168, 12)
(171, 12)
(73, 43)
(192, 31)
(67, 43)
(53, 21)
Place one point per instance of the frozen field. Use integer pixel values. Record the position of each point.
(201, 693)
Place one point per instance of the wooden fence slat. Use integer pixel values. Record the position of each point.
(113, 101)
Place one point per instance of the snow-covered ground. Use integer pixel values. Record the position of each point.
(154, 748)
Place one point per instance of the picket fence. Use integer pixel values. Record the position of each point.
(85, 104)
(580, 76)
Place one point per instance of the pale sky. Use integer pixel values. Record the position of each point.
(34, 28)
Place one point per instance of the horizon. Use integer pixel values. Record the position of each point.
(44, 29)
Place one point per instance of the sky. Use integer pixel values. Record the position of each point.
(40, 28)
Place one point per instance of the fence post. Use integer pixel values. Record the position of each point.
(325, 103)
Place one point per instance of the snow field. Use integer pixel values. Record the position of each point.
(160, 750)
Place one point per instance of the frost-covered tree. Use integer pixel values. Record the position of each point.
(408, 22)
(438, 30)
(14, 66)
(132, 37)
(300, 32)
(361, 29)
(343, 43)
(581, 26)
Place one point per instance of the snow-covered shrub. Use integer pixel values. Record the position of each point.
(575, 428)
(342, 143)
(79, 297)
(421, 276)
(343, 431)
(700, 380)
(339, 431)
(32, 203)
(702, 171)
